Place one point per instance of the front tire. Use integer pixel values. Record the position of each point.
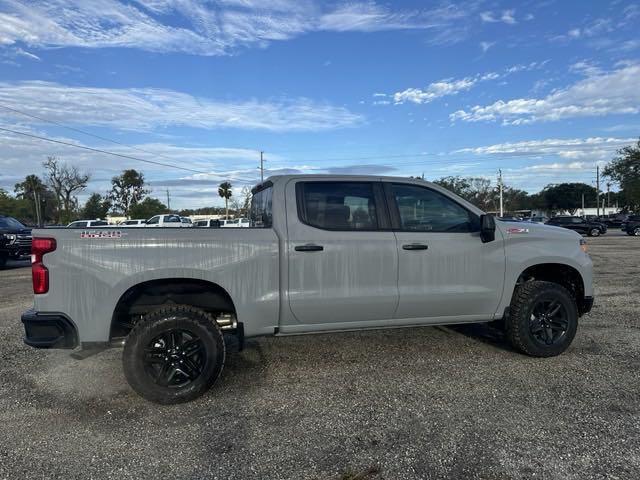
(636, 231)
(542, 320)
(174, 354)
(594, 232)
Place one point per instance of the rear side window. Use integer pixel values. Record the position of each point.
(425, 210)
(338, 205)
(261, 212)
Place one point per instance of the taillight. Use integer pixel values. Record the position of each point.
(40, 273)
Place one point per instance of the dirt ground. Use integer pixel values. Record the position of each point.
(411, 403)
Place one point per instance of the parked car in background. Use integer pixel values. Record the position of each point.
(134, 222)
(207, 223)
(325, 253)
(632, 225)
(237, 223)
(88, 224)
(579, 224)
(614, 220)
(15, 239)
(169, 220)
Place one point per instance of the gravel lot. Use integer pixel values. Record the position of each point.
(413, 403)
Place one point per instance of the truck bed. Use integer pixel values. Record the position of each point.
(91, 269)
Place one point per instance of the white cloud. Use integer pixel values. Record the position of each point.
(594, 148)
(609, 93)
(450, 86)
(507, 16)
(201, 27)
(146, 109)
(486, 46)
(434, 90)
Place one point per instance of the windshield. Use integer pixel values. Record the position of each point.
(8, 222)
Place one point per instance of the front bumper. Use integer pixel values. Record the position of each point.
(585, 305)
(15, 250)
(49, 330)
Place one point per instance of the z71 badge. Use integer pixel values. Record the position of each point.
(517, 230)
(101, 234)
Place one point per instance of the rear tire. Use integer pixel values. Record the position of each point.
(636, 231)
(3, 259)
(542, 320)
(174, 354)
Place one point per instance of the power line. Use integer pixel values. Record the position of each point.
(73, 129)
(100, 137)
(98, 150)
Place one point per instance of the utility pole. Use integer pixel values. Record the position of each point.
(261, 166)
(168, 200)
(598, 190)
(36, 199)
(501, 188)
(608, 194)
(582, 204)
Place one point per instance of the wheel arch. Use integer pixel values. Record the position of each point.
(560, 273)
(150, 295)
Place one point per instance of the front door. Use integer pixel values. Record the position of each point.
(445, 271)
(342, 263)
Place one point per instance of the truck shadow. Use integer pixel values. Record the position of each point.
(482, 332)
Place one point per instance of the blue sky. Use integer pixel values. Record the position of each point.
(544, 90)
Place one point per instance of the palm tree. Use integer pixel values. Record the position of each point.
(224, 190)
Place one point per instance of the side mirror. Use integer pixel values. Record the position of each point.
(487, 228)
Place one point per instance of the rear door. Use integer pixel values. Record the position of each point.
(444, 269)
(342, 255)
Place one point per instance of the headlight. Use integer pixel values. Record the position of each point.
(10, 237)
(583, 245)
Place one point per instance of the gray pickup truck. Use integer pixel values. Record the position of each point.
(323, 254)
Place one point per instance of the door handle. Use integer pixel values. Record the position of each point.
(309, 248)
(415, 246)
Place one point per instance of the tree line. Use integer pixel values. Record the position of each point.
(53, 198)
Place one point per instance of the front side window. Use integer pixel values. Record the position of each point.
(153, 220)
(338, 205)
(261, 212)
(425, 210)
(577, 220)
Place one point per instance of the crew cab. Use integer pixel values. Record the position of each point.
(578, 224)
(15, 239)
(323, 254)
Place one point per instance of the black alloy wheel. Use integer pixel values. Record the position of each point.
(542, 319)
(549, 321)
(174, 354)
(174, 358)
